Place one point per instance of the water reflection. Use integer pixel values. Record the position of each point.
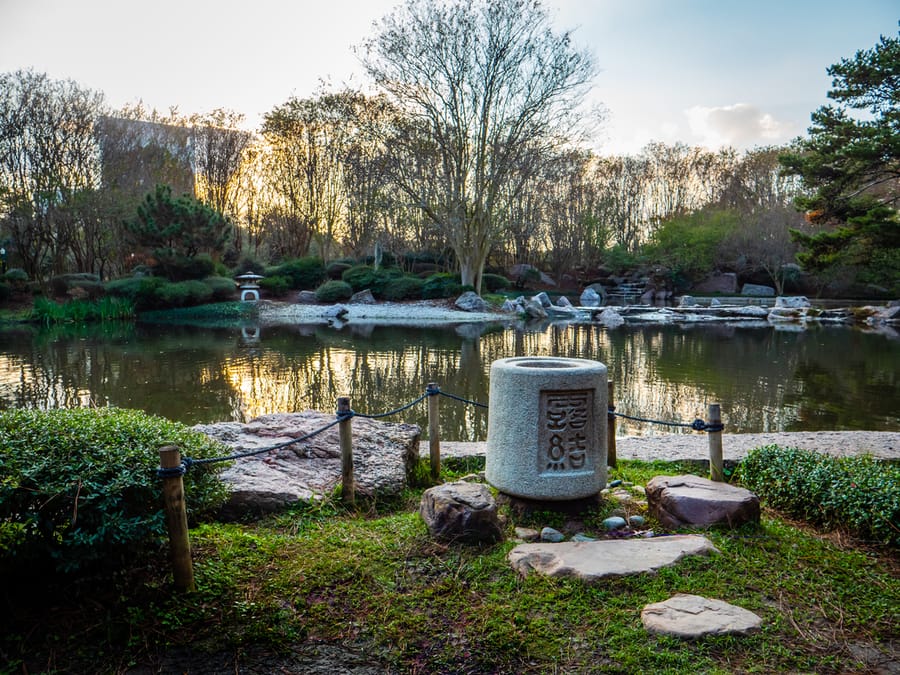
(766, 380)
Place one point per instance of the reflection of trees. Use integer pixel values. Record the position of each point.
(764, 379)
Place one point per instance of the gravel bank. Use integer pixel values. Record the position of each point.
(695, 447)
(383, 313)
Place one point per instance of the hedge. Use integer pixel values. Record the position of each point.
(859, 494)
(79, 487)
(334, 291)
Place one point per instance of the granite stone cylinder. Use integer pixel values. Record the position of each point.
(547, 428)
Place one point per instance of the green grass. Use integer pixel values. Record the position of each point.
(220, 312)
(373, 578)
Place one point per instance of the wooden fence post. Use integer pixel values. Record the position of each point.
(176, 519)
(348, 489)
(716, 461)
(434, 435)
(611, 459)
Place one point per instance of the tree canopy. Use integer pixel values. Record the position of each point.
(487, 87)
(850, 162)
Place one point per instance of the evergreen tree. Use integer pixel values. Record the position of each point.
(851, 165)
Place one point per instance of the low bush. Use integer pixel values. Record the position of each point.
(79, 486)
(303, 273)
(491, 283)
(277, 285)
(183, 268)
(334, 291)
(184, 294)
(859, 494)
(362, 277)
(336, 269)
(443, 286)
(222, 288)
(403, 288)
(89, 284)
(143, 292)
(16, 276)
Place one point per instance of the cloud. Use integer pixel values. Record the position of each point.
(740, 125)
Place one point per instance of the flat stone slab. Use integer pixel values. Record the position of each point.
(693, 616)
(384, 454)
(594, 560)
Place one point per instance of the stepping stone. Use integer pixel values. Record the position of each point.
(593, 560)
(693, 616)
(685, 501)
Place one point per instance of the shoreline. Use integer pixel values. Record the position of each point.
(883, 445)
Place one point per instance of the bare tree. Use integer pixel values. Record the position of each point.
(485, 83)
(48, 161)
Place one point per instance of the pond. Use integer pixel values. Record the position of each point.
(824, 378)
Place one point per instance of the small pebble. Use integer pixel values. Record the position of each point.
(615, 483)
(581, 536)
(617, 513)
(614, 523)
(552, 536)
(527, 534)
(636, 521)
(627, 484)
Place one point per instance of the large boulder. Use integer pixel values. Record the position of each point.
(461, 511)
(725, 283)
(693, 616)
(363, 297)
(692, 501)
(792, 302)
(610, 318)
(544, 299)
(306, 298)
(470, 301)
(758, 291)
(384, 456)
(591, 297)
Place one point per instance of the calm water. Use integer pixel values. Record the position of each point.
(765, 379)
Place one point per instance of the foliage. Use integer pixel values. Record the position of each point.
(689, 244)
(487, 87)
(851, 162)
(144, 292)
(361, 277)
(47, 311)
(175, 230)
(859, 494)
(184, 294)
(403, 288)
(288, 583)
(184, 268)
(442, 285)
(5, 291)
(495, 282)
(222, 288)
(334, 291)
(220, 313)
(335, 270)
(16, 276)
(249, 265)
(277, 285)
(61, 284)
(302, 273)
(79, 486)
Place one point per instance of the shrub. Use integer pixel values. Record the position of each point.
(361, 277)
(222, 288)
(859, 494)
(183, 268)
(492, 283)
(335, 270)
(143, 292)
(184, 294)
(16, 276)
(62, 284)
(249, 265)
(277, 285)
(79, 486)
(5, 291)
(403, 288)
(442, 286)
(334, 291)
(303, 273)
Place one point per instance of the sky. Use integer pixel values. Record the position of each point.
(744, 73)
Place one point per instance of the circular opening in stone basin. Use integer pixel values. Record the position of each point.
(545, 364)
